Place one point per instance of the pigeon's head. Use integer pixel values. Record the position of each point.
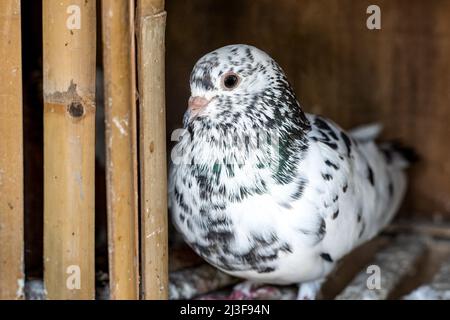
(238, 84)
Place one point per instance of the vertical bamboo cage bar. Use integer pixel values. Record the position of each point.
(151, 19)
(121, 151)
(69, 35)
(11, 153)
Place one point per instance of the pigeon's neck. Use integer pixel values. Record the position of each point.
(270, 135)
(263, 154)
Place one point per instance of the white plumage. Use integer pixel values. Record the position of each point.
(266, 192)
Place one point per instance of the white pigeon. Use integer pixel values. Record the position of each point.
(265, 192)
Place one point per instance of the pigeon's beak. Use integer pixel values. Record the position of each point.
(196, 105)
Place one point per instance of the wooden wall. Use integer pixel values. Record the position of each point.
(399, 75)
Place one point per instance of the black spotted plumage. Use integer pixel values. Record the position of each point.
(335, 214)
(326, 256)
(348, 143)
(266, 192)
(331, 164)
(370, 175)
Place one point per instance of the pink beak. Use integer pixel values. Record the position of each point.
(197, 104)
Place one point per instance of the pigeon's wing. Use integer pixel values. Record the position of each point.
(353, 191)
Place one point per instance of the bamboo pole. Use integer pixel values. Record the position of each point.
(69, 34)
(154, 257)
(11, 153)
(121, 164)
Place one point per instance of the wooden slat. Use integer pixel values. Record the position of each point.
(11, 153)
(429, 228)
(69, 148)
(441, 281)
(191, 282)
(265, 292)
(394, 262)
(437, 289)
(121, 161)
(151, 46)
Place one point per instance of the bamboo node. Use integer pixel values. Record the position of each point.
(70, 97)
(76, 109)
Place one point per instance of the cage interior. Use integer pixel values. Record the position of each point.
(398, 76)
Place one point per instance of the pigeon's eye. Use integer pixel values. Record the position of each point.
(230, 81)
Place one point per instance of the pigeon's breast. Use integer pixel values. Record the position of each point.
(245, 238)
(238, 217)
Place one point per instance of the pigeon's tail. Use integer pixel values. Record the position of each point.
(398, 154)
(366, 133)
(398, 157)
